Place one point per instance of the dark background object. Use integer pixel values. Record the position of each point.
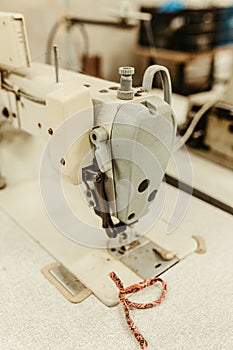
(225, 35)
(186, 30)
(194, 32)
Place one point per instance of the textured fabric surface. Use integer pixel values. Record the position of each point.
(197, 313)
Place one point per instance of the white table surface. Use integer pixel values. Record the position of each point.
(197, 313)
(207, 176)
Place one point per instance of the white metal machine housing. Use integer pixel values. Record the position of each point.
(121, 155)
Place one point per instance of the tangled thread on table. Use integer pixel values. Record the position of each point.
(127, 304)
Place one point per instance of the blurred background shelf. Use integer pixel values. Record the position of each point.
(179, 56)
(191, 72)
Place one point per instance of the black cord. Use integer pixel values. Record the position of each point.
(198, 194)
(23, 93)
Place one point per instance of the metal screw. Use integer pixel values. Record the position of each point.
(50, 131)
(63, 162)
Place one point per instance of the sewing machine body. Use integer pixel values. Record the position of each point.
(36, 108)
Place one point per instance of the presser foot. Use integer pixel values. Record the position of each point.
(143, 257)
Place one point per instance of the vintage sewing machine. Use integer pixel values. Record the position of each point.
(104, 149)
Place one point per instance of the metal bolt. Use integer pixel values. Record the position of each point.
(91, 203)
(125, 91)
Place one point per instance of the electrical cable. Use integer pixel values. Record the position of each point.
(86, 42)
(127, 304)
(69, 24)
(23, 93)
(152, 46)
(202, 110)
(182, 141)
(150, 38)
(30, 97)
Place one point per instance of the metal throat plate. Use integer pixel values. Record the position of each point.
(141, 257)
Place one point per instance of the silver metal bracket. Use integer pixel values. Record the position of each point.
(69, 286)
(141, 256)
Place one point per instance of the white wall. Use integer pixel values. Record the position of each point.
(117, 47)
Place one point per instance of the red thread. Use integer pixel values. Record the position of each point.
(127, 304)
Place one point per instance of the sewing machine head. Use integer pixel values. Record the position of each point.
(127, 133)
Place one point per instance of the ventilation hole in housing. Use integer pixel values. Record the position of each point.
(143, 185)
(89, 195)
(131, 216)
(152, 196)
(94, 137)
(103, 91)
